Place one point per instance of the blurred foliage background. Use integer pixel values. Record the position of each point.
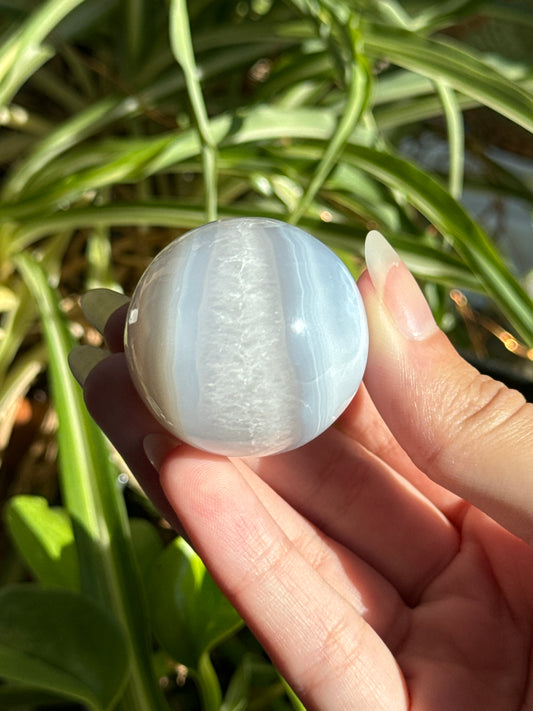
(126, 122)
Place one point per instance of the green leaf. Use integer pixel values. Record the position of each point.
(44, 538)
(357, 100)
(83, 456)
(138, 17)
(190, 615)
(15, 386)
(93, 499)
(455, 130)
(295, 701)
(236, 697)
(131, 160)
(456, 225)
(458, 66)
(62, 642)
(251, 674)
(256, 683)
(58, 140)
(22, 53)
(181, 42)
(146, 543)
(112, 108)
(21, 696)
(447, 12)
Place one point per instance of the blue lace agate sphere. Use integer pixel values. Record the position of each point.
(246, 336)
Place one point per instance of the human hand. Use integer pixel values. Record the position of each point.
(387, 564)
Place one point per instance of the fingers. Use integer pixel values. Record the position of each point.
(113, 401)
(468, 432)
(116, 406)
(376, 600)
(360, 501)
(362, 422)
(353, 496)
(320, 642)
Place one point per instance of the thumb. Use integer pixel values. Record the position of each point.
(466, 431)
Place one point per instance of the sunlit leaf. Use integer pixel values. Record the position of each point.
(45, 539)
(108, 570)
(468, 238)
(190, 615)
(22, 53)
(455, 64)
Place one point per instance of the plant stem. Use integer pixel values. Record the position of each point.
(208, 684)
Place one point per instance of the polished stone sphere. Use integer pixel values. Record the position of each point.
(246, 336)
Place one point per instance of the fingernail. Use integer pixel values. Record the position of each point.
(99, 304)
(158, 446)
(397, 289)
(83, 359)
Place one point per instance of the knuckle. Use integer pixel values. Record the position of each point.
(473, 410)
(488, 405)
(270, 556)
(339, 652)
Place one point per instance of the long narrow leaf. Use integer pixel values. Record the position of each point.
(426, 262)
(455, 130)
(92, 497)
(181, 42)
(115, 108)
(459, 67)
(425, 193)
(59, 140)
(452, 220)
(356, 103)
(15, 386)
(17, 54)
(128, 160)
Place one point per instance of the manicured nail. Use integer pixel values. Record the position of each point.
(398, 290)
(99, 304)
(83, 359)
(158, 446)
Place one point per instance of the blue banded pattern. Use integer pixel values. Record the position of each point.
(247, 336)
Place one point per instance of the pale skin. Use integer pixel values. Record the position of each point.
(388, 564)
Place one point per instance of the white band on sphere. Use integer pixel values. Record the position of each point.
(246, 336)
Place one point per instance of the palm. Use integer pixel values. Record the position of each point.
(448, 590)
(464, 644)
